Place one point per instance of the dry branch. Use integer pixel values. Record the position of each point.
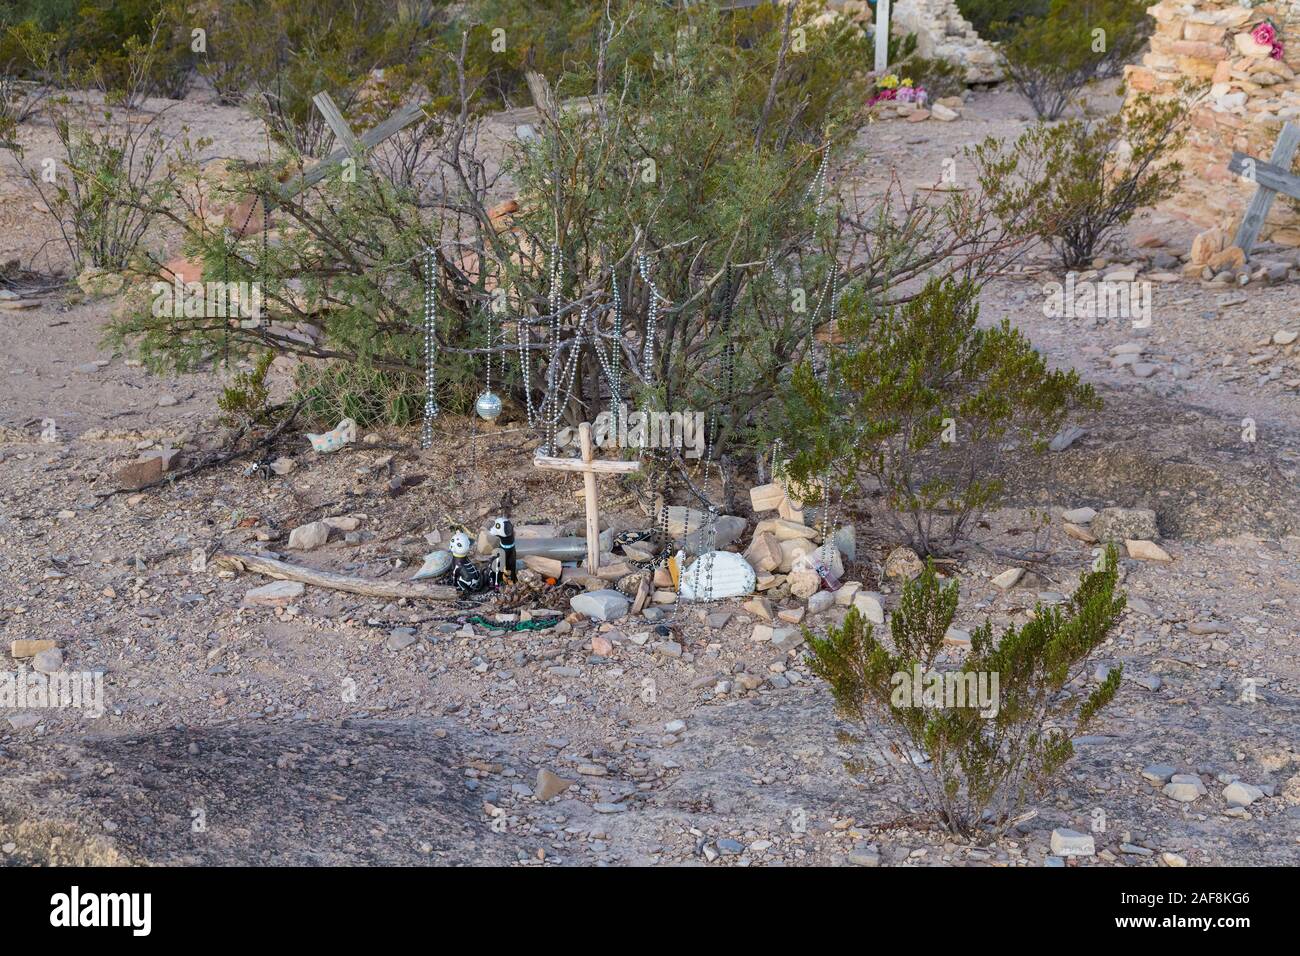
(283, 571)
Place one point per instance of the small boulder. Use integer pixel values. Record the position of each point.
(603, 605)
(275, 594)
(309, 536)
(903, 563)
(1072, 843)
(1119, 524)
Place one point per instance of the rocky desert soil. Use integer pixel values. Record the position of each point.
(341, 729)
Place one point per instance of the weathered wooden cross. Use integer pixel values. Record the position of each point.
(352, 147)
(1273, 177)
(590, 468)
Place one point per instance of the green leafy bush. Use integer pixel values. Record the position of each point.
(1050, 58)
(996, 20)
(99, 44)
(244, 401)
(1079, 181)
(985, 735)
(925, 405)
(698, 149)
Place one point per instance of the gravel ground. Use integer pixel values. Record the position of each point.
(322, 733)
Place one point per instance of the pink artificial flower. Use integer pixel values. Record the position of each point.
(1276, 52)
(1265, 34)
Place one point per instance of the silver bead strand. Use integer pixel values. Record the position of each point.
(430, 351)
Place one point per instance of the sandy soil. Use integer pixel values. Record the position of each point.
(316, 734)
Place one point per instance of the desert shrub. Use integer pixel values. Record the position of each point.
(701, 151)
(976, 755)
(924, 404)
(277, 54)
(104, 188)
(1079, 181)
(1050, 58)
(997, 20)
(98, 44)
(368, 395)
(939, 78)
(245, 400)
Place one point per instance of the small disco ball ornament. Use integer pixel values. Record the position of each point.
(488, 406)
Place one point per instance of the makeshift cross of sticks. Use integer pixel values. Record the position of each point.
(590, 467)
(353, 147)
(1272, 177)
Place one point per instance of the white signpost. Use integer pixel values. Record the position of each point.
(882, 35)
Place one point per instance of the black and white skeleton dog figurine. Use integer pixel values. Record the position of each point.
(503, 567)
(465, 574)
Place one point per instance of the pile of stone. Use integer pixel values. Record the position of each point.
(1250, 97)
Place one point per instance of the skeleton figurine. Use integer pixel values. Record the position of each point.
(465, 574)
(503, 566)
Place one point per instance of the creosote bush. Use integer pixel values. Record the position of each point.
(977, 739)
(1080, 181)
(924, 404)
(1051, 58)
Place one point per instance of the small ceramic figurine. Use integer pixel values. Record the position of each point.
(504, 568)
(342, 434)
(465, 574)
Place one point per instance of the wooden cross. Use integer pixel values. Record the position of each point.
(353, 147)
(590, 468)
(1273, 177)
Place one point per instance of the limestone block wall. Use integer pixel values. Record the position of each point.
(943, 33)
(1250, 95)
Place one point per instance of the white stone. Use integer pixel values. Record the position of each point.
(1072, 843)
(1184, 787)
(1008, 578)
(870, 605)
(309, 536)
(604, 605)
(275, 594)
(48, 661)
(821, 601)
(1240, 794)
(436, 564)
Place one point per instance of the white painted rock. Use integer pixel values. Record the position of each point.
(604, 605)
(436, 564)
(717, 575)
